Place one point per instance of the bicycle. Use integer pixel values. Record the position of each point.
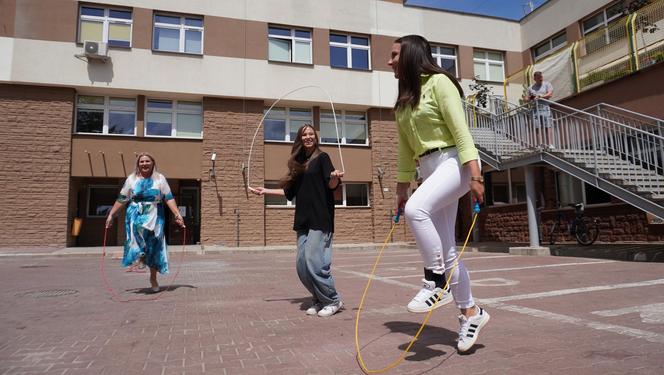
(584, 229)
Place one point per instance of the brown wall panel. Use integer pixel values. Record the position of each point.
(466, 68)
(235, 38)
(7, 14)
(573, 32)
(141, 29)
(98, 156)
(321, 47)
(357, 161)
(48, 20)
(381, 47)
(635, 92)
(513, 62)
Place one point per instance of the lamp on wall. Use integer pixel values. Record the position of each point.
(214, 159)
(380, 172)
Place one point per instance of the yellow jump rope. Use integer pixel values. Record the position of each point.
(476, 210)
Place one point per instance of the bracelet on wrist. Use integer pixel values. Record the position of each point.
(479, 179)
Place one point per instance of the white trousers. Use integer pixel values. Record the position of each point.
(431, 215)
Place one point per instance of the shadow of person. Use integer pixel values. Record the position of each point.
(165, 288)
(423, 349)
(305, 302)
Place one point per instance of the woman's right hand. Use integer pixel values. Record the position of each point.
(402, 195)
(258, 191)
(109, 221)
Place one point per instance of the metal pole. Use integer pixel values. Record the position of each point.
(531, 202)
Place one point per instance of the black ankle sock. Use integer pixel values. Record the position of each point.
(438, 278)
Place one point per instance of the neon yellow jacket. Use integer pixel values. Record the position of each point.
(437, 121)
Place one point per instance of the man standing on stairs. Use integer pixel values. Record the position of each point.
(542, 89)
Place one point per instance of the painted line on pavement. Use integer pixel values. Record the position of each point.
(515, 268)
(497, 303)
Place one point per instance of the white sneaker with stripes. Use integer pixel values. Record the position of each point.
(429, 298)
(470, 329)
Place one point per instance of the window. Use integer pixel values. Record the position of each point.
(572, 190)
(281, 124)
(550, 45)
(178, 34)
(489, 65)
(105, 115)
(445, 58)
(506, 187)
(276, 200)
(173, 118)
(112, 26)
(602, 18)
(352, 128)
(100, 199)
(352, 195)
(289, 45)
(349, 51)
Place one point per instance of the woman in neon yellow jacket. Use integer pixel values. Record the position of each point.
(434, 133)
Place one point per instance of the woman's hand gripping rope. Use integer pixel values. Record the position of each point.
(395, 363)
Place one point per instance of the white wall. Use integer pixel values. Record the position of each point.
(361, 16)
(555, 16)
(164, 75)
(6, 55)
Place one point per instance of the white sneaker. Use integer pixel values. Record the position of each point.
(314, 309)
(331, 309)
(470, 329)
(429, 298)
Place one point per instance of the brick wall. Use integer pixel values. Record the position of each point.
(228, 129)
(35, 137)
(384, 139)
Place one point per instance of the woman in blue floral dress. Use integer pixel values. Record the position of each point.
(145, 192)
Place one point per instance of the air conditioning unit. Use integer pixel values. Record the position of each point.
(96, 50)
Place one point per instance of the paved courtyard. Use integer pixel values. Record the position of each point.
(243, 313)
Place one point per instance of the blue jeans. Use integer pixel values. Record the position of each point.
(313, 264)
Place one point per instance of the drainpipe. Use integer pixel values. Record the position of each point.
(531, 202)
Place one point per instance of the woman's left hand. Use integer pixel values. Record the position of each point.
(336, 174)
(179, 220)
(477, 191)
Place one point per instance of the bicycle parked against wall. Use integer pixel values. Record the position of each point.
(583, 228)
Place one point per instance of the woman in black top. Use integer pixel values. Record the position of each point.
(311, 181)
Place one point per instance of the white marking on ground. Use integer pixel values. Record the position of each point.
(563, 292)
(652, 314)
(621, 330)
(419, 261)
(497, 303)
(494, 281)
(517, 268)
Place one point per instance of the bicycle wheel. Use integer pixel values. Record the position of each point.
(587, 231)
(553, 234)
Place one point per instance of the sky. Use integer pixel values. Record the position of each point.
(509, 9)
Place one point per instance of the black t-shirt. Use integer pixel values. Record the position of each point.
(314, 200)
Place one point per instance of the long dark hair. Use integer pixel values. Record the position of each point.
(415, 59)
(298, 161)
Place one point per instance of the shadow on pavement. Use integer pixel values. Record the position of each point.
(622, 252)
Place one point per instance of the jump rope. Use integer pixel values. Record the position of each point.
(395, 363)
(114, 295)
(476, 210)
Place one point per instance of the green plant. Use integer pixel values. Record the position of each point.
(481, 93)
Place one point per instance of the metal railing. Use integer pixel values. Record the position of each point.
(605, 147)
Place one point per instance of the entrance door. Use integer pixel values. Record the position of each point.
(189, 205)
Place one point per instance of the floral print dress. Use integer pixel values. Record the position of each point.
(144, 222)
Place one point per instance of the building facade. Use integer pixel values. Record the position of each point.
(189, 80)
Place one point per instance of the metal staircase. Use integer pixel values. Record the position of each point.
(618, 151)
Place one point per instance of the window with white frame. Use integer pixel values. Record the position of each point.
(281, 124)
(173, 118)
(352, 195)
(550, 45)
(445, 58)
(489, 65)
(101, 199)
(349, 51)
(112, 26)
(289, 45)
(352, 127)
(276, 200)
(105, 115)
(182, 34)
(602, 18)
(571, 190)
